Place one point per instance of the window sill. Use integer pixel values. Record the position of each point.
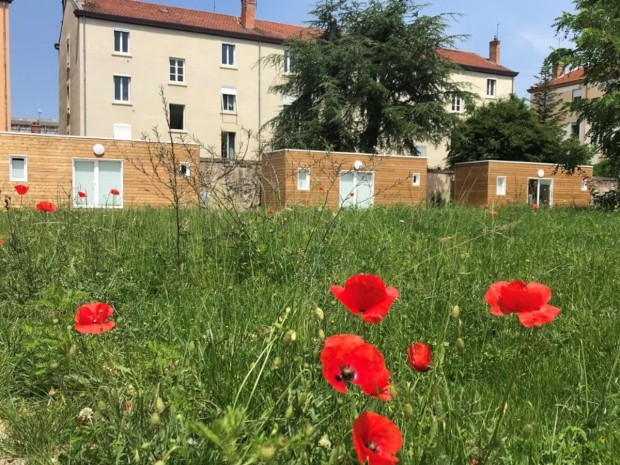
(228, 67)
(177, 84)
(178, 131)
(18, 180)
(123, 55)
(121, 103)
(493, 97)
(232, 113)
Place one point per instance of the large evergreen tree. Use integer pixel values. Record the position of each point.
(548, 107)
(595, 32)
(369, 78)
(509, 130)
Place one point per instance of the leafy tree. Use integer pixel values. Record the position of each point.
(595, 31)
(367, 78)
(509, 130)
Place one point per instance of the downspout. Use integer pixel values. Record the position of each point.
(84, 132)
(260, 68)
(5, 65)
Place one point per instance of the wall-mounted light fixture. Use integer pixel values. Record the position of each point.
(98, 149)
(358, 165)
(541, 173)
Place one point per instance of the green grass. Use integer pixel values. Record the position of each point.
(212, 339)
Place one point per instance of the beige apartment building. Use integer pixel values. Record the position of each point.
(116, 55)
(568, 87)
(5, 63)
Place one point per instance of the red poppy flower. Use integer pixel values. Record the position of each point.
(321, 188)
(115, 192)
(127, 406)
(347, 357)
(92, 318)
(307, 201)
(535, 207)
(376, 439)
(82, 195)
(485, 206)
(419, 356)
(474, 462)
(270, 212)
(352, 194)
(528, 301)
(366, 294)
(493, 213)
(21, 189)
(1, 241)
(44, 206)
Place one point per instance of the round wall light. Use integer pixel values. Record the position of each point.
(98, 149)
(358, 165)
(541, 173)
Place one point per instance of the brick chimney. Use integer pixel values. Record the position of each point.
(494, 50)
(248, 13)
(35, 127)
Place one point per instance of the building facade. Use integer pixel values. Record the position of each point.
(5, 63)
(116, 56)
(568, 87)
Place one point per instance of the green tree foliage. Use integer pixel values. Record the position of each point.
(368, 78)
(509, 130)
(595, 31)
(545, 103)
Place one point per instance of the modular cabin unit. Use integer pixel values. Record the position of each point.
(88, 172)
(335, 179)
(495, 182)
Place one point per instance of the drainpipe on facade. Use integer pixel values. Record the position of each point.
(85, 131)
(5, 66)
(260, 68)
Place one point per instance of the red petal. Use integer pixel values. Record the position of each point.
(372, 375)
(336, 354)
(95, 328)
(419, 356)
(492, 297)
(379, 311)
(520, 297)
(370, 427)
(539, 317)
(344, 298)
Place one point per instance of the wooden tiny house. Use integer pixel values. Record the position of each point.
(59, 168)
(495, 182)
(334, 179)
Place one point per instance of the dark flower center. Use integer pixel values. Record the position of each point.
(373, 446)
(346, 374)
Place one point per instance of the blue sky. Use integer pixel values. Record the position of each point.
(525, 29)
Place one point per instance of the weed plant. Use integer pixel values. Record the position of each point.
(216, 360)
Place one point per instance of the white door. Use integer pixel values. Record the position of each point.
(357, 189)
(97, 183)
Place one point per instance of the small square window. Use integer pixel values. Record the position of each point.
(177, 70)
(228, 145)
(576, 95)
(19, 169)
(415, 179)
(177, 117)
(584, 185)
(229, 100)
(184, 169)
(303, 179)
(121, 41)
(121, 88)
(501, 185)
(228, 55)
(574, 129)
(491, 87)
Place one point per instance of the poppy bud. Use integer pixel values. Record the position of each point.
(131, 390)
(289, 412)
(321, 334)
(309, 431)
(282, 441)
(101, 405)
(408, 410)
(276, 363)
(319, 313)
(267, 452)
(154, 420)
(288, 310)
(294, 336)
(191, 346)
(460, 345)
(393, 391)
(159, 405)
(527, 431)
(160, 462)
(72, 350)
(302, 398)
(55, 321)
(456, 312)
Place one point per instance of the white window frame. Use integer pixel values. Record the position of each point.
(11, 176)
(457, 104)
(415, 179)
(346, 201)
(120, 52)
(300, 185)
(95, 195)
(228, 91)
(584, 185)
(547, 181)
(286, 63)
(234, 55)
(122, 76)
(174, 77)
(226, 156)
(500, 187)
(491, 87)
(185, 169)
(170, 116)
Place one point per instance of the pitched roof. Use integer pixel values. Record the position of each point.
(473, 62)
(171, 17)
(570, 78)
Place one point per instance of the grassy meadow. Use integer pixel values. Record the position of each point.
(216, 361)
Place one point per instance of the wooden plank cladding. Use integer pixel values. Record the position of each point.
(494, 182)
(50, 164)
(389, 179)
